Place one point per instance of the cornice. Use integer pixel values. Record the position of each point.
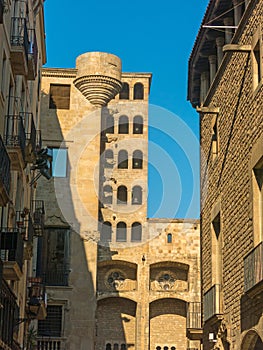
(59, 72)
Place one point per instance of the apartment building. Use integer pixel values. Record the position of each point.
(225, 87)
(22, 54)
(115, 279)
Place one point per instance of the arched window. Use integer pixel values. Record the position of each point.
(169, 238)
(123, 125)
(105, 235)
(109, 125)
(123, 159)
(173, 348)
(125, 92)
(108, 346)
(107, 194)
(116, 346)
(109, 161)
(158, 348)
(121, 233)
(138, 93)
(136, 232)
(122, 195)
(165, 348)
(137, 159)
(137, 124)
(137, 195)
(123, 347)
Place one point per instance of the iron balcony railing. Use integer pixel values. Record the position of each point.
(50, 343)
(8, 313)
(24, 223)
(56, 277)
(15, 135)
(19, 34)
(11, 245)
(194, 316)
(253, 267)
(32, 54)
(4, 166)
(36, 295)
(212, 302)
(38, 210)
(30, 129)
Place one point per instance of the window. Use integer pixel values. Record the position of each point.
(107, 194)
(138, 93)
(56, 266)
(137, 124)
(3, 82)
(214, 140)
(158, 348)
(137, 195)
(116, 346)
(109, 125)
(125, 92)
(122, 195)
(123, 125)
(52, 325)
(123, 347)
(169, 238)
(59, 162)
(109, 161)
(137, 159)
(165, 348)
(108, 346)
(105, 235)
(256, 61)
(257, 182)
(123, 159)
(59, 96)
(136, 232)
(217, 249)
(121, 233)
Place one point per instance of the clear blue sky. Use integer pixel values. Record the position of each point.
(148, 36)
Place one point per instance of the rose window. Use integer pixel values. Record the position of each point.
(166, 281)
(115, 279)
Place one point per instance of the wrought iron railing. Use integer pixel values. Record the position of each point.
(36, 291)
(194, 315)
(38, 210)
(8, 312)
(50, 344)
(212, 302)
(253, 267)
(11, 245)
(56, 277)
(19, 34)
(4, 166)
(15, 135)
(30, 129)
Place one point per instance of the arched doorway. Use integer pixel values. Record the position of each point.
(252, 341)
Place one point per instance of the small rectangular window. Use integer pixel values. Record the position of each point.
(59, 162)
(59, 96)
(215, 140)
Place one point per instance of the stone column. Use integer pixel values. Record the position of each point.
(219, 45)
(237, 11)
(204, 85)
(212, 64)
(228, 31)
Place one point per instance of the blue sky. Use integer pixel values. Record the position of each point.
(148, 36)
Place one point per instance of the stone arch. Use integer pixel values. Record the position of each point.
(138, 91)
(252, 341)
(117, 321)
(125, 92)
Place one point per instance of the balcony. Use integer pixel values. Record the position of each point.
(32, 55)
(19, 46)
(213, 308)
(24, 223)
(11, 250)
(56, 277)
(8, 311)
(37, 299)
(15, 141)
(4, 174)
(38, 210)
(2, 7)
(194, 323)
(31, 135)
(50, 343)
(253, 271)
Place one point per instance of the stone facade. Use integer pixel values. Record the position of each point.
(230, 107)
(131, 282)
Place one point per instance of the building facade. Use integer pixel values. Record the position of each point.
(115, 280)
(22, 54)
(225, 87)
